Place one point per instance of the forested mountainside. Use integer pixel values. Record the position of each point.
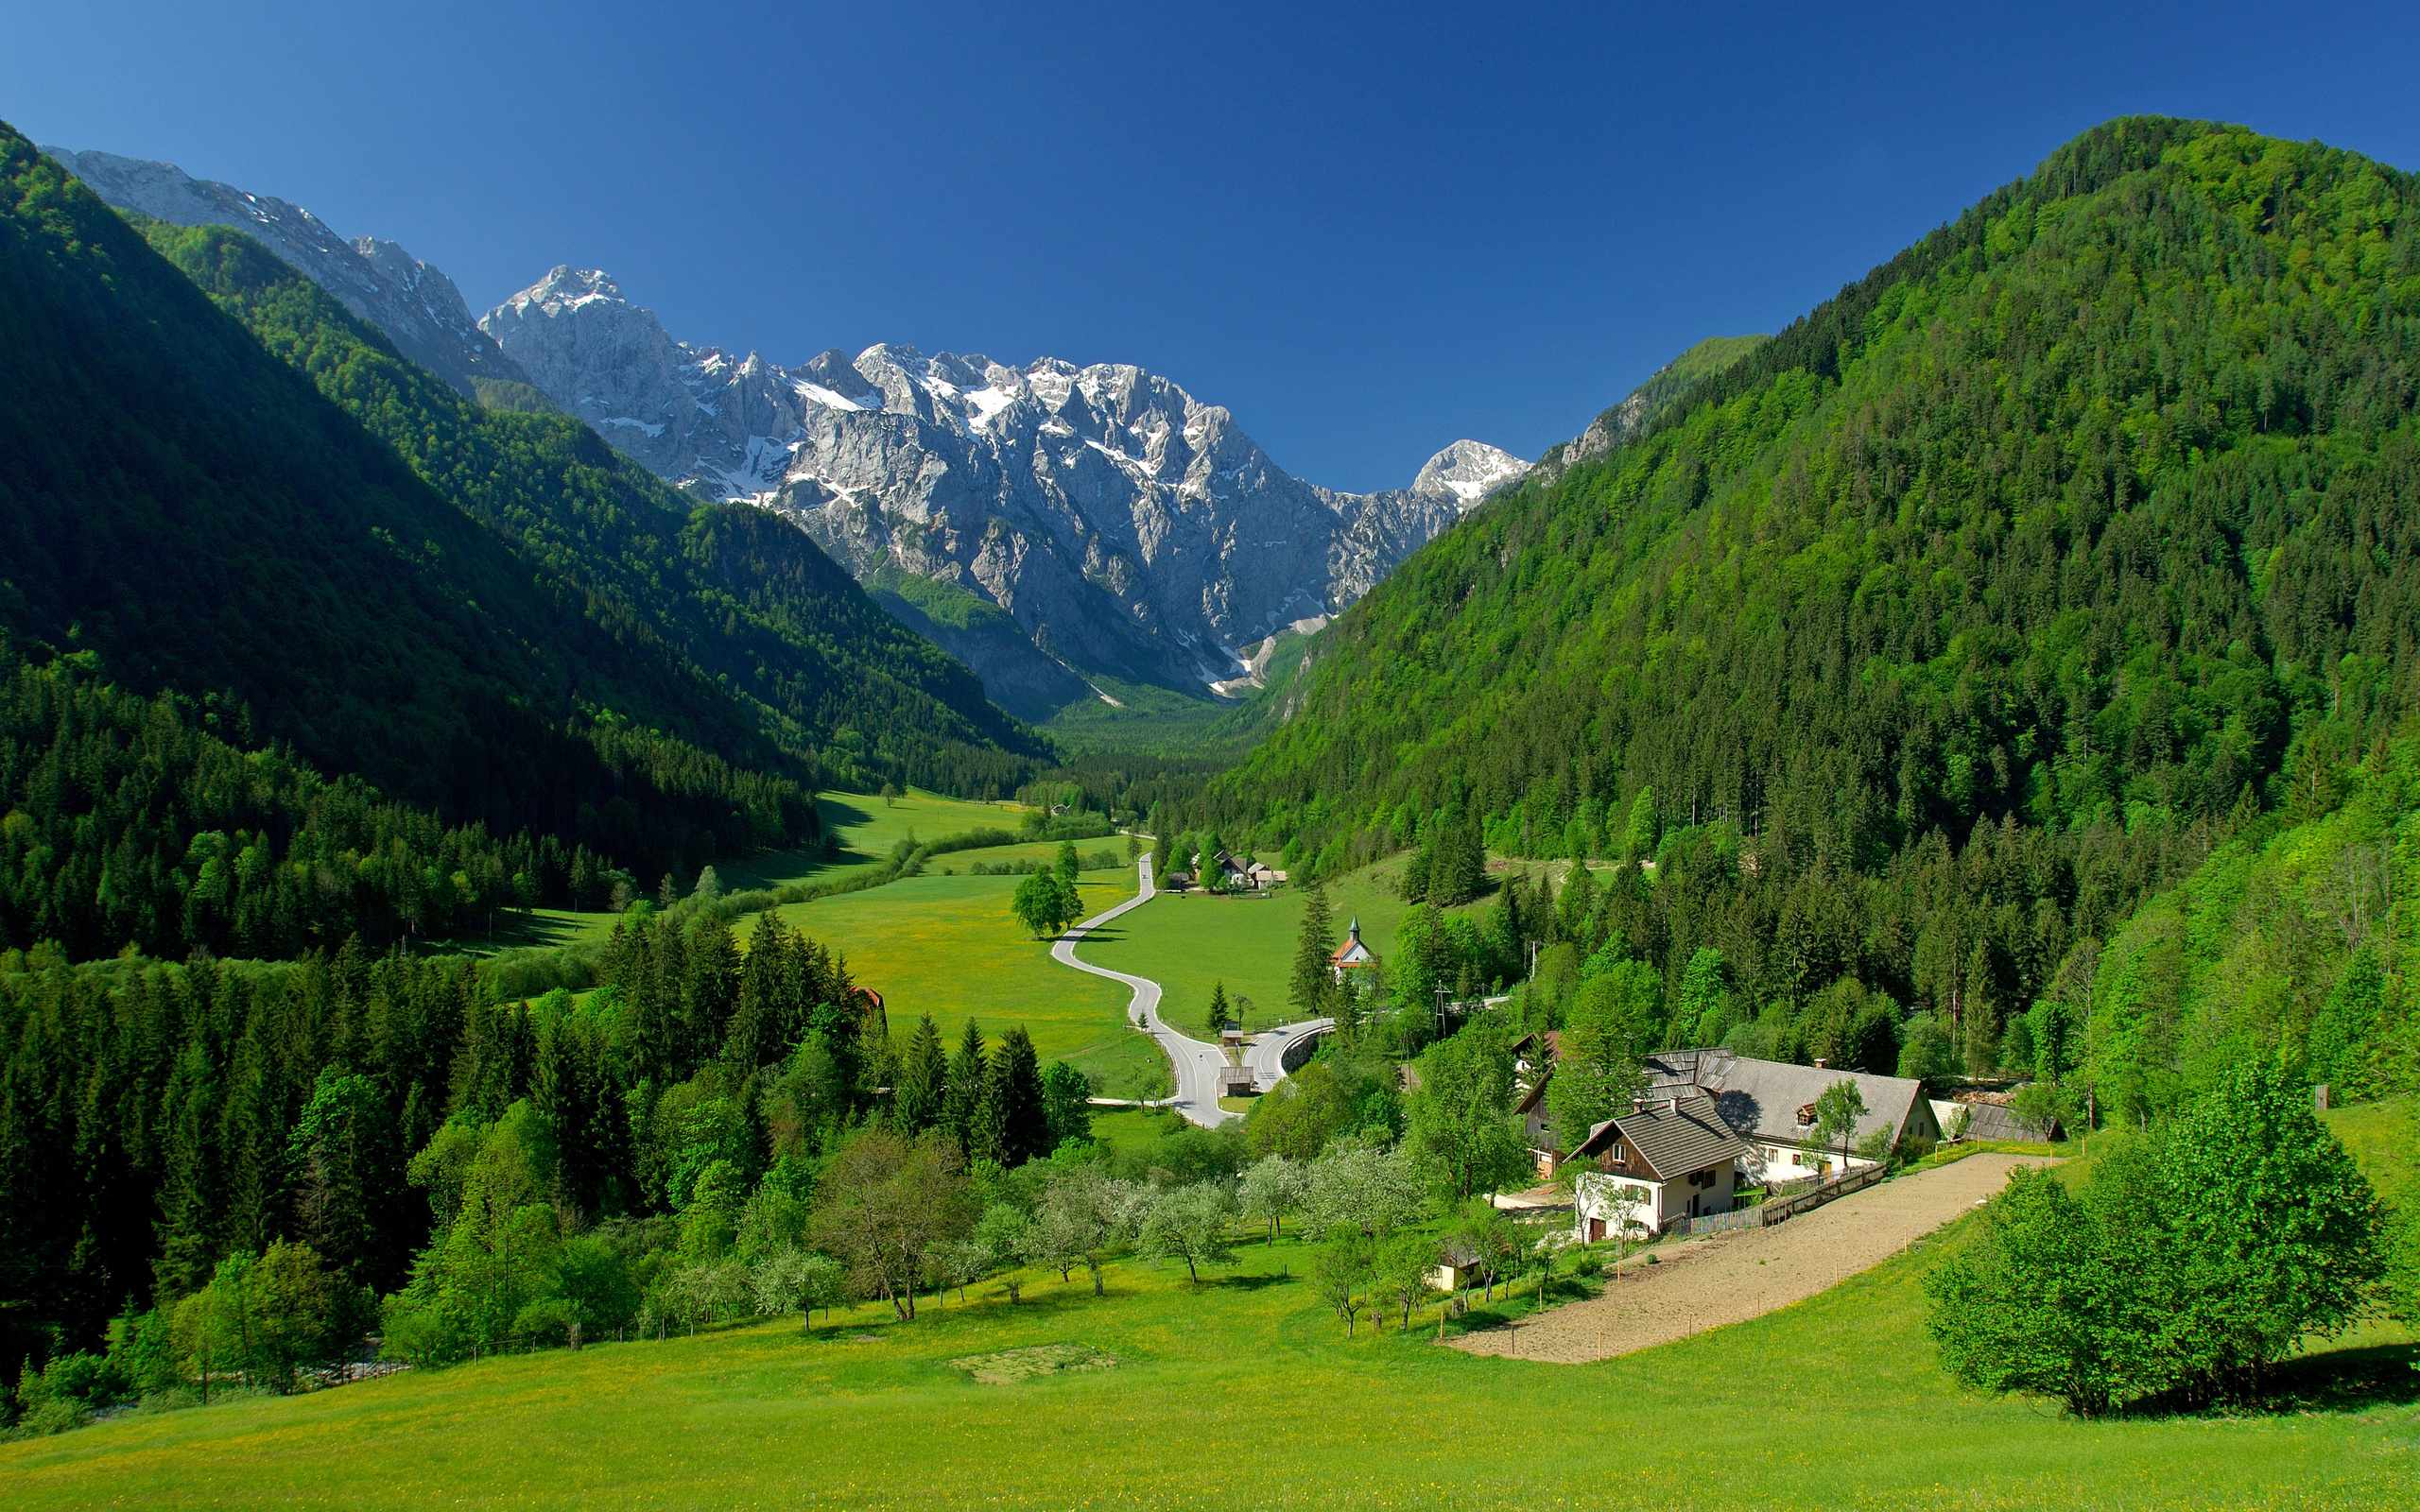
(1935, 633)
(737, 592)
(184, 509)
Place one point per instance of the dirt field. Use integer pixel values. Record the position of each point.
(1704, 1283)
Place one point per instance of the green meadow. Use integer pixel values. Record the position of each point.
(1243, 1392)
(1188, 943)
(947, 946)
(867, 829)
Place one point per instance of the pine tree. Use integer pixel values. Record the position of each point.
(1314, 956)
(709, 991)
(758, 1034)
(963, 1103)
(1020, 1120)
(924, 1080)
(1218, 1005)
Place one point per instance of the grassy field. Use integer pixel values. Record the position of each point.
(947, 946)
(867, 827)
(1187, 942)
(1242, 1393)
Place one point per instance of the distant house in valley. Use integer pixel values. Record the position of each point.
(1352, 961)
(1674, 1159)
(1244, 876)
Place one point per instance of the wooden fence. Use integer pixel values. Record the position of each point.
(1814, 1193)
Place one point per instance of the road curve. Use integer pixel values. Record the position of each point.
(1196, 1064)
(1266, 1055)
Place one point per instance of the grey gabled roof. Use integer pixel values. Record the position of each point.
(1673, 1140)
(1761, 1098)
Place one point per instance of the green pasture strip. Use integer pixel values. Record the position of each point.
(948, 946)
(1243, 1392)
(1188, 943)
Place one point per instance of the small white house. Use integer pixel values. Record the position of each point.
(1674, 1159)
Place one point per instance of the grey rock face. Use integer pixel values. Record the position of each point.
(415, 304)
(1130, 531)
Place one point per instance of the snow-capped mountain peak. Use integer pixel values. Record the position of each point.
(1130, 531)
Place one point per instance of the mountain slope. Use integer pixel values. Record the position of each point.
(1623, 423)
(415, 304)
(1132, 535)
(739, 595)
(186, 509)
(2089, 523)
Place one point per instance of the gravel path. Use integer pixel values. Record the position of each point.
(1728, 1278)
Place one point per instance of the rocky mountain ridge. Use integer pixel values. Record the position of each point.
(1131, 534)
(413, 302)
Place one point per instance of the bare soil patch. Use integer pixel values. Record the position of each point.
(1728, 1278)
(1009, 1366)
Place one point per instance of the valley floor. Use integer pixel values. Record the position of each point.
(1241, 1393)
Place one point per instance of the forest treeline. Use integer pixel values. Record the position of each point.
(128, 825)
(2095, 508)
(157, 1119)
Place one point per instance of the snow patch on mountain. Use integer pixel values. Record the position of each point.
(1127, 528)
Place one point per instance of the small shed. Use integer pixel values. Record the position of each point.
(1237, 1081)
(1457, 1264)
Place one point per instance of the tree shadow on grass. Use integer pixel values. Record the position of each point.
(1253, 1283)
(1098, 934)
(2354, 1379)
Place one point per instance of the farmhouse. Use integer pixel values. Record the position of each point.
(1771, 1105)
(1533, 1059)
(1352, 961)
(1673, 1159)
(1241, 876)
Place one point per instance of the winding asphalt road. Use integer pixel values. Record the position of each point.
(1196, 1064)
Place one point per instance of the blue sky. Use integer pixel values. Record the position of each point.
(1366, 231)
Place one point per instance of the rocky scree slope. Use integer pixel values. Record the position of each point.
(414, 303)
(1072, 533)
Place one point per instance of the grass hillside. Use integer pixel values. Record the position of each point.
(1188, 942)
(1243, 1392)
(949, 947)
